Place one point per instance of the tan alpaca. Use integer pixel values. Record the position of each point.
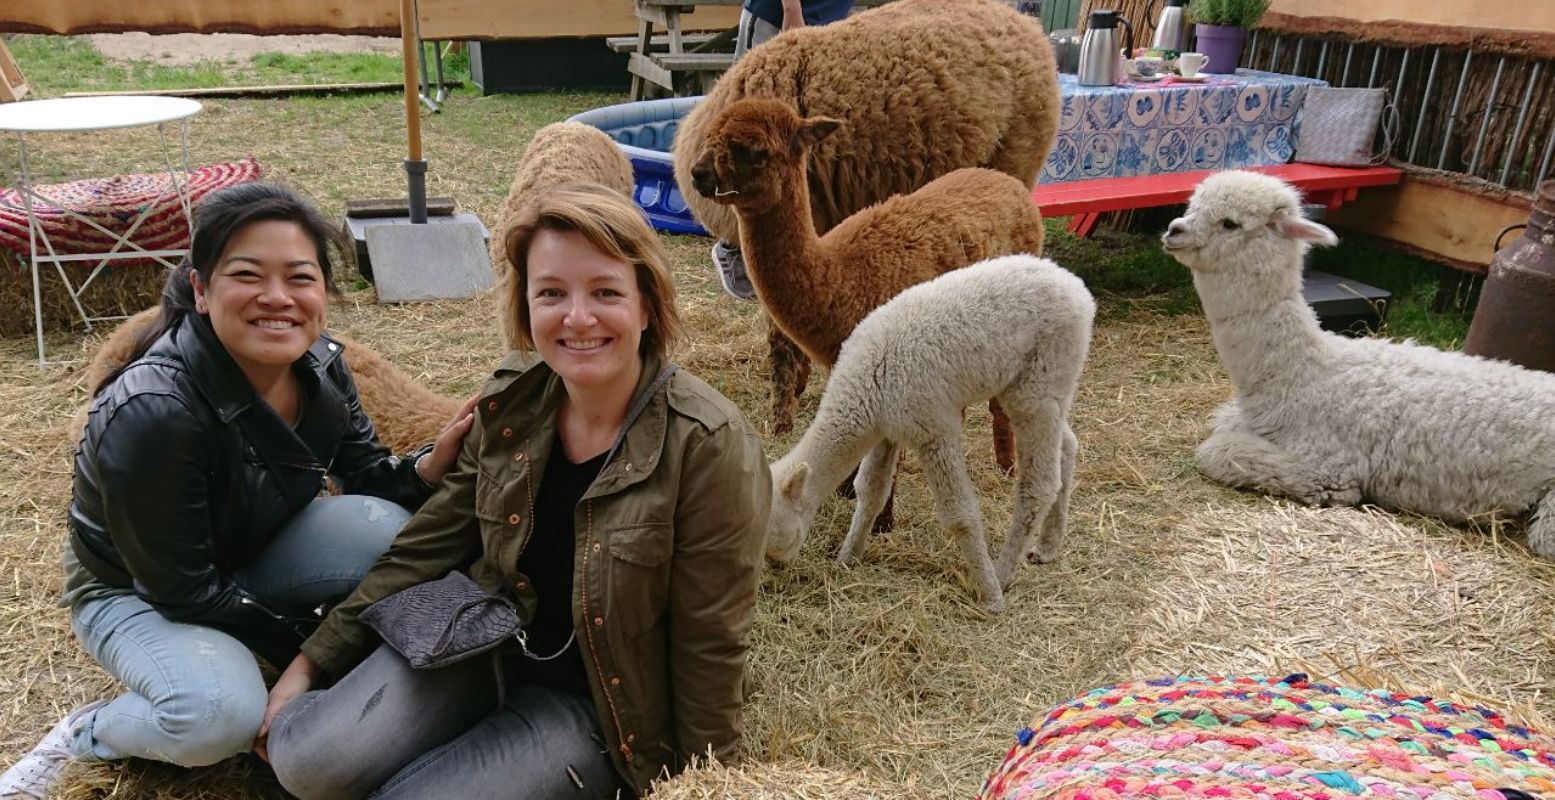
(924, 87)
(563, 152)
(405, 414)
(817, 288)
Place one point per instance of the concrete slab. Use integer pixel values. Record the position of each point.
(413, 263)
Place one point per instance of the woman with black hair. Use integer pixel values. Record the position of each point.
(200, 529)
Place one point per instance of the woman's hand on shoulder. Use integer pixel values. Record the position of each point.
(298, 677)
(445, 451)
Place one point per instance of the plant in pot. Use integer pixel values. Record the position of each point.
(1221, 27)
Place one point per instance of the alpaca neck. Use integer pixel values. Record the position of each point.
(1265, 336)
(832, 450)
(781, 247)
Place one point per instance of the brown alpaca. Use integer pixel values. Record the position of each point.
(924, 87)
(405, 414)
(563, 152)
(818, 288)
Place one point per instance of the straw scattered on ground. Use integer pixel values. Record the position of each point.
(886, 674)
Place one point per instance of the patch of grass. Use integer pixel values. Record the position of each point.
(1413, 282)
(59, 64)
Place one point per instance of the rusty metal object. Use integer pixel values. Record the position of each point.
(1514, 321)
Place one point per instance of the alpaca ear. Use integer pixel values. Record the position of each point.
(814, 130)
(1294, 226)
(793, 486)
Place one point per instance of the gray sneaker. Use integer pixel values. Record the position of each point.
(33, 777)
(731, 271)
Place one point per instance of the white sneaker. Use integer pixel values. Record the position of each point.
(33, 777)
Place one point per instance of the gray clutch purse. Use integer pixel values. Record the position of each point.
(442, 622)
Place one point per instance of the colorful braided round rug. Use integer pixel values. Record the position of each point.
(115, 203)
(1279, 739)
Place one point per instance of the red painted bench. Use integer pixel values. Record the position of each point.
(1085, 201)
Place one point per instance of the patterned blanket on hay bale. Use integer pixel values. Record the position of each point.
(125, 286)
(1286, 739)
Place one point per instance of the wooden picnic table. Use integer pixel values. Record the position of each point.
(654, 66)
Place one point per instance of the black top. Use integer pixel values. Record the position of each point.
(816, 12)
(548, 562)
(183, 476)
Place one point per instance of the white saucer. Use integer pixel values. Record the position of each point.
(1143, 79)
(1199, 78)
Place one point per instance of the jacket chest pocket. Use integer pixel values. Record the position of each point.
(638, 575)
(503, 508)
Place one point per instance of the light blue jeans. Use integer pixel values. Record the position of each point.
(195, 694)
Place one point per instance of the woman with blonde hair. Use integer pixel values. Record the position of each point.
(617, 502)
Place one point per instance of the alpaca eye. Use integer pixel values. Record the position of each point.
(1230, 224)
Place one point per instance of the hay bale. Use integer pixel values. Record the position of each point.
(713, 781)
(118, 290)
(1253, 736)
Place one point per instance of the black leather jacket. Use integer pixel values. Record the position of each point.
(183, 476)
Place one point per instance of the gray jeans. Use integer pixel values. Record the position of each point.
(195, 694)
(389, 731)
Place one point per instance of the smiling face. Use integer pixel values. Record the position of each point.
(586, 312)
(266, 296)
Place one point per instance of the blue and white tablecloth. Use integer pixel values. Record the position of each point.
(1242, 120)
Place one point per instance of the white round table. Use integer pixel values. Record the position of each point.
(84, 114)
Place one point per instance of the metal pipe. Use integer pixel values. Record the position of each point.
(1376, 62)
(1457, 102)
(1522, 116)
(1322, 60)
(1425, 99)
(1253, 51)
(1349, 55)
(1544, 164)
(1484, 122)
(1295, 67)
(1274, 57)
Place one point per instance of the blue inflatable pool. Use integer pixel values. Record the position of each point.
(646, 133)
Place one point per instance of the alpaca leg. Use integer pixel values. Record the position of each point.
(1041, 439)
(1056, 524)
(875, 479)
(790, 369)
(955, 502)
(1242, 459)
(1003, 438)
(1541, 530)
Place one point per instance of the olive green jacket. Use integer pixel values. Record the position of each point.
(669, 550)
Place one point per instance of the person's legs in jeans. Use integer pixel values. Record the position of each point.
(195, 694)
(322, 553)
(727, 260)
(542, 744)
(345, 741)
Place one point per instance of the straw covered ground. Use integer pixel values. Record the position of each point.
(886, 679)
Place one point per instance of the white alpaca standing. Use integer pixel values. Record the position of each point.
(1015, 328)
(1334, 421)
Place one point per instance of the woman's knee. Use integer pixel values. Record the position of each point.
(202, 725)
(367, 524)
(305, 763)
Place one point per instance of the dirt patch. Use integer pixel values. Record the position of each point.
(181, 49)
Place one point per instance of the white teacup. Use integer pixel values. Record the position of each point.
(1189, 64)
(1148, 66)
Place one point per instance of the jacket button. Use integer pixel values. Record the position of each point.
(521, 585)
(631, 737)
(596, 547)
(628, 466)
(333, 347)
(599, 621)
(492, 406)
(519, 456)
(507, 432)
(616, 682)
(513, 519)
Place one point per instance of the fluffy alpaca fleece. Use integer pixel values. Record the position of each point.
(924, 87)
(1333, 421)
(405, 414)
(563, 152)
(817, 288)
(1017, 328)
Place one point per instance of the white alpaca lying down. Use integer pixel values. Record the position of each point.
(1334, 421)
(1015, 328)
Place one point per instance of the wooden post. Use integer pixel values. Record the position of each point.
(13, 86)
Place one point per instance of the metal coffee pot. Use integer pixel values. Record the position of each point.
(1171, 28)
(1101, 54)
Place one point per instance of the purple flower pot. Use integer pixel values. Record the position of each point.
(1223, 45)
